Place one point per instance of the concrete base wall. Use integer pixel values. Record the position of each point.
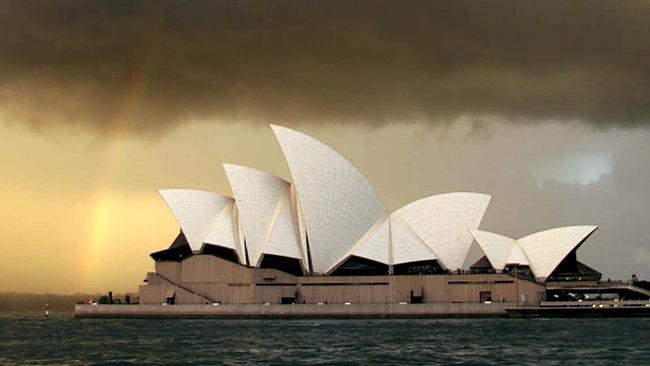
(294, 311)
(229, 283)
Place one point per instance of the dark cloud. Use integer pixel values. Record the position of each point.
(161, 63)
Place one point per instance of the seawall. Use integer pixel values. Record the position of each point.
(428, 310)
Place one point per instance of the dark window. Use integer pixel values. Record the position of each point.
(220, 252)
(284, 264)
(357, 266)
(417, 268)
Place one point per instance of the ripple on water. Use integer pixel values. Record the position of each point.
(31, 339)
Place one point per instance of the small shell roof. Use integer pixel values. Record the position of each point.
(542, 251)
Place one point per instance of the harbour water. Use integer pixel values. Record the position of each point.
(29, 338)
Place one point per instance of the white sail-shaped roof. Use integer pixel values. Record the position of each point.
(264, 203)
(298, 221)
(391, 242)
(338, 204)
(224, 231)
(195, 212)
(496, 247)
(443, 221)
(282, 238)
(517, 255)
(407, 246)
(546, 249)
(542, 251)
(375, 245)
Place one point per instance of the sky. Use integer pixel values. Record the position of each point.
(543, 105)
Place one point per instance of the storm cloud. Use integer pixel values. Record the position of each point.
(163, 63)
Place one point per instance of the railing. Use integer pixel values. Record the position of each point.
(596, 303)
(555, 284)
(186, 288)
(597, 285)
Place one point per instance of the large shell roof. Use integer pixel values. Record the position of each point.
(195, 211)
(224, 231)
(434, 227)
(264, 203)
(443, 222)
(338, 204)
(391, 242)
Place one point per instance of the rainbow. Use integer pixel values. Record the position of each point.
(103, 204)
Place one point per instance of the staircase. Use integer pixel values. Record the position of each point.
(639, 290)
(186, 288)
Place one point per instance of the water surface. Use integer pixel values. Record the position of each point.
(28, 338)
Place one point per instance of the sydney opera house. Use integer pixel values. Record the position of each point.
(327, 238)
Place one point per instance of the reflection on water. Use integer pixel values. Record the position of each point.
(60, 339)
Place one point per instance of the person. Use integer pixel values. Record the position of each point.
(47, 310)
